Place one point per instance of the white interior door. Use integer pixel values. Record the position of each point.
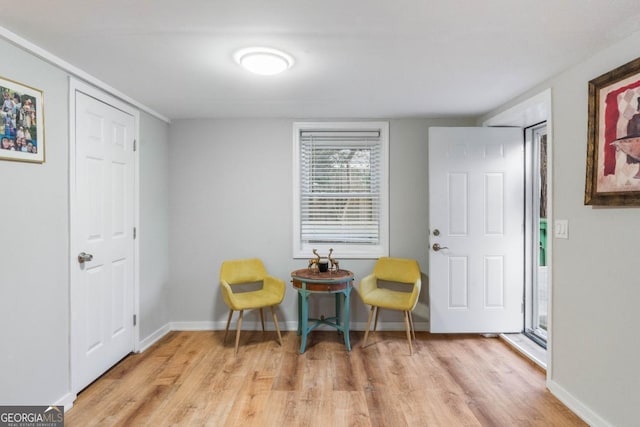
(102, 285)
(476, 211)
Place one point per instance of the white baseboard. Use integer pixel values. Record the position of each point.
(291, 325)
(154, 337)
(579, 408)
(201, 326)
(221, 325)
(390, 326)
(66, 401)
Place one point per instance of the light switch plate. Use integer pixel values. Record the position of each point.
(561, 228)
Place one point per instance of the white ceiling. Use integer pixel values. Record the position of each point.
(354, 58)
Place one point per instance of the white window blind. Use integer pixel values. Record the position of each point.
(341, 194)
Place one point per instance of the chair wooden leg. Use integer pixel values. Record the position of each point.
(275, 322)
(413, 327)
(262, 319)
(226, 331)
(366, 332)
(238, 330)
(408, 328)
(375, 324)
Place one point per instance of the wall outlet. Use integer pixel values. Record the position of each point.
(561, 228)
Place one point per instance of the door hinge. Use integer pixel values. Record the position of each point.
(135, 145)
(135, 233)
(135, 319)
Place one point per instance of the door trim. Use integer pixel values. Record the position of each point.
(529, 111)
(76, 85)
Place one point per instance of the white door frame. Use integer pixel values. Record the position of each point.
(76, 85)
(529, 112)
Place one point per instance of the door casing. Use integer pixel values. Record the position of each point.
(530, 111)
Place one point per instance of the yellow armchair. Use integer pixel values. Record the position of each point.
(270, 294)
(396, 270)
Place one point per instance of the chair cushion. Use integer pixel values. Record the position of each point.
(254, 299)
(390, 299)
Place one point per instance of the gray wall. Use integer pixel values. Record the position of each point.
(231, 197)
(154, 225)
(34, 242)
(34, 273)
(596, 286)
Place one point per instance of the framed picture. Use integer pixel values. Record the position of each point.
(21, 122)
(613, 141)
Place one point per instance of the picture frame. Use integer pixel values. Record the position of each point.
(613, 139)
(21, 122)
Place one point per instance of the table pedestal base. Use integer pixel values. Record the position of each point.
(306, 324)
(308, 282)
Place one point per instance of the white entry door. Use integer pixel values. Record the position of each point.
(476, 211)
(102, 285)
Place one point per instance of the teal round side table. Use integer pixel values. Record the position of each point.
(308, 282)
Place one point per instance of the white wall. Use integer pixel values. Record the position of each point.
(231, 197)
(596, 285)
(34, 243)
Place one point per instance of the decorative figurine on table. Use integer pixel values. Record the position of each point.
(322, 264)
(334, 262)
(313, 262)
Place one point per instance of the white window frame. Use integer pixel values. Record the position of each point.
(342, 250)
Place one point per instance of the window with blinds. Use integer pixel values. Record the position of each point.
(341, 187)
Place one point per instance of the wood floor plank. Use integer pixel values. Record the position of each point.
(252, 401)
(290, 374)
(193, 378)
(350, 409)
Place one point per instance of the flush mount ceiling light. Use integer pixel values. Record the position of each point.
(263, 60)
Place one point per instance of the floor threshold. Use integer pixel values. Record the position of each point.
(528, 348)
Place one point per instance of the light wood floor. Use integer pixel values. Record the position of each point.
(191, 379)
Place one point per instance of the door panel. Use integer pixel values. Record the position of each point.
(458, 206)
(458, 283)
(476, 216)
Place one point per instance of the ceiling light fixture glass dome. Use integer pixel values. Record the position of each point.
(263, 60)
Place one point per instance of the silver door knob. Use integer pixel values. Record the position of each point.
(436, 247)
(84, 257)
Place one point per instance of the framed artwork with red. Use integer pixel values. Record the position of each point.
(613, 144)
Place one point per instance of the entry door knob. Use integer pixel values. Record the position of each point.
(84, 257)
(436, 247)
